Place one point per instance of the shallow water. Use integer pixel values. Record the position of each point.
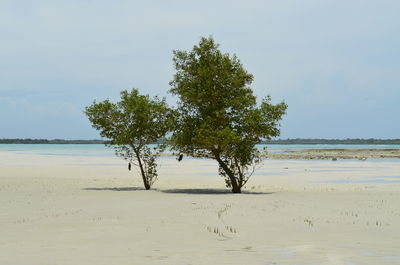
(381, 180)
(102, 150)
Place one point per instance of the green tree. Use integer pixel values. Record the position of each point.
(130, 125)
(217, 115)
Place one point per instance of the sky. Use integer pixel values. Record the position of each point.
(336, 63)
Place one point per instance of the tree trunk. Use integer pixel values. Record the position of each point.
(236, 188)
(145, 182)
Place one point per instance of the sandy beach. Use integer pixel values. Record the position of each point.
(91, 210)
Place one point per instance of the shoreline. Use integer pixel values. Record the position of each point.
(289, 154)
(334, 154)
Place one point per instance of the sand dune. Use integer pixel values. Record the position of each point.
(92, 210)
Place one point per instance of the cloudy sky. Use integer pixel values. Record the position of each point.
(335, 62)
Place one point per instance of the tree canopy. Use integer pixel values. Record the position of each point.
(218, 115)
(130, 125)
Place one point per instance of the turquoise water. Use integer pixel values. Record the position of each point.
(101, 150)
(60, 149)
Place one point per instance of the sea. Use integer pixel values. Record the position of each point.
(104, 151)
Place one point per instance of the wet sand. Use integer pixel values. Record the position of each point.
(92, 210)
(361, 154)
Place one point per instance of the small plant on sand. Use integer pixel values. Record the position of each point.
(218, 116)
(130, 125)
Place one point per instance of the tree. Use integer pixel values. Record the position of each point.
(217, 115)
(130, 125)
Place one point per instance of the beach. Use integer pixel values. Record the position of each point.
(65, 209)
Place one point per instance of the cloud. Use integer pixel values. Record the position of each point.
(335, 62)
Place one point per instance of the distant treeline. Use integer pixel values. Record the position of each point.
(333, 141)
(46, 141)
(278, 141)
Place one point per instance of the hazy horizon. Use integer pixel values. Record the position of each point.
(335, 63)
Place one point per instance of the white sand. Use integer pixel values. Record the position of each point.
(91, 210)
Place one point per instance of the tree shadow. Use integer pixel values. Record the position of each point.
(196, 191)
(116, 188)
(179, 191)
(257, 192)
(210, 192)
